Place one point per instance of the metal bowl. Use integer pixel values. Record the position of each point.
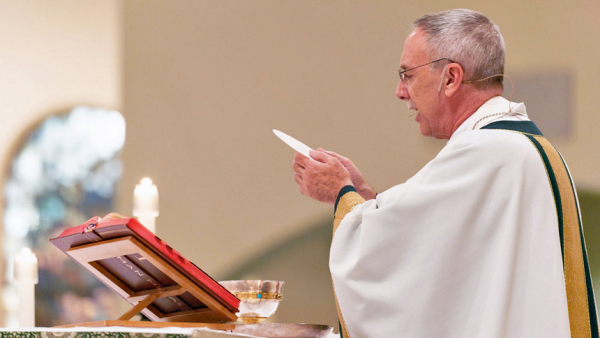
(259, 298)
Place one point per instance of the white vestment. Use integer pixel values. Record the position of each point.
(468, 247)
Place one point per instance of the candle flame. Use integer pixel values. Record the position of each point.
(146, 182)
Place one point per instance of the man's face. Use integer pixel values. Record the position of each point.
(421, 88)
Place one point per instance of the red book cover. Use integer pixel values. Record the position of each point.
(136, 273)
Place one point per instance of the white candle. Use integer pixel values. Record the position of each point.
(26, 275)
(145, 203)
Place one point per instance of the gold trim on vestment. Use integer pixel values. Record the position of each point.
(344, 332)
(345, 205)
(574, 269)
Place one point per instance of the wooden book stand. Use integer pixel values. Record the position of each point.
(164, 286)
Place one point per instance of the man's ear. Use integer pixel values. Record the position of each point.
(453, 78)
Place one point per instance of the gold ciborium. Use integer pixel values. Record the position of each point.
(259, 298)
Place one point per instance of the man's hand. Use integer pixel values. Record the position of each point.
(321, 177)
(361, 186)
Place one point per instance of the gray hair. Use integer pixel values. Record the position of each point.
(468, 38)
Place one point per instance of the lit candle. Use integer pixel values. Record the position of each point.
(145, 203)
(26, 275)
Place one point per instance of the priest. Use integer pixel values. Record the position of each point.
(486, 239)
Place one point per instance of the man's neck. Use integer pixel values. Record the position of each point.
(470, 102)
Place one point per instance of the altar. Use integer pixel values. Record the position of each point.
(170, 332)
(119, 332)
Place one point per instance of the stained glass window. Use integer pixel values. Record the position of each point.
(64, 173)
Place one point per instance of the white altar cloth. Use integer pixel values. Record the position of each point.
(133, 331)
(122, 331)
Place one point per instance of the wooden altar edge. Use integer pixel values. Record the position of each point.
(152, 325)
(266, 330)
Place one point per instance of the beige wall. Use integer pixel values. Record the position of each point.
(205, 82)
(55, 55)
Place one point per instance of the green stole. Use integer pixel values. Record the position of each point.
(580, 294)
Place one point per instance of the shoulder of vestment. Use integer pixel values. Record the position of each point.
(491, 140)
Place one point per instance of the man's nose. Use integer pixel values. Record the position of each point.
(402, 91)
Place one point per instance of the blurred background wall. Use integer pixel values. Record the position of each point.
(201, 84)
(53, 56)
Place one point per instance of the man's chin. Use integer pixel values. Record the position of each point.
(424, 130)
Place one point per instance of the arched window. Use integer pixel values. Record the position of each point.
(64, 172)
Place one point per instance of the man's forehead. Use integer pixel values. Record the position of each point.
(414, 51)
(413, 33)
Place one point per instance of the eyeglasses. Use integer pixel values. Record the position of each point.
(403, 76)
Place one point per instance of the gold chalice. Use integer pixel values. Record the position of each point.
(259, 298)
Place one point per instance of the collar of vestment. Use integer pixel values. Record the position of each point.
(495, 109)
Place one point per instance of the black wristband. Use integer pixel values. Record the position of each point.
(342, 192)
